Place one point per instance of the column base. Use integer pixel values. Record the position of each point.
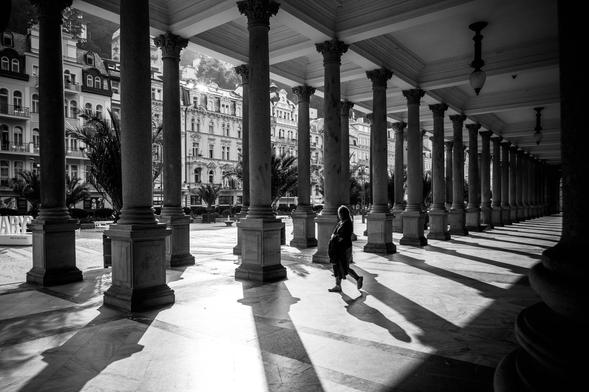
(457, 219)
(496, 216)
(486, 216)
(138, 267)
(237, 247)
(379, 226)
(513, 214)
(505, 215)
(413, 233)
(398, 220)
(303, 223)
(325, 225)
(438, 225)
(54, 253)
(178, 244)
(260, 259)
(520, 214)
(473, 219)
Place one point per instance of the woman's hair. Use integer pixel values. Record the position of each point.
(343, 212)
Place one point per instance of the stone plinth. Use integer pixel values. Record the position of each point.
(54, 253)
(506, 215)
(497, 216)
(260, 250)
(138, 267)
(438, 225)
(473, 219)
(379, 227)
(487, 216)
(325, 226)
(413, 233)
(303, 223)
(178, 244)
(457, 222)
(398, 220)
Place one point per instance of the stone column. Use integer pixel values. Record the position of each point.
(457, 215)
(303, 218)
(519, 187)
(513, 205)
(414, 217)
(54, 240)
(438, 215)
(345, 108)
(485, 178)
(473, 210)
(379, 224)
(332, 52)
(530, 185)
(496, 211)
(553, 333)
(525, 181)
(505, 208)
(242, 71)
(534, 190)
(138, 242)
(178, 244)
(260, 230)
(449, 182)
(399, 206)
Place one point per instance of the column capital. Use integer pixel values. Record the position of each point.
(332, 50)
(258, 12)
(497, 139)
(303, 93)
(473, 128)
(379, 77)
(513, 148)
(457, 119)
(346, 106)
(486, 134)
(170, 45)
(399, 126)
(413, 95)
(438, 109)
(243, 71)
(449, 144)
(51, 9)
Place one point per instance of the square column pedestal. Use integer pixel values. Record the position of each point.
(379, 226)
(260, 251)
(138, 267)
(325, 226)
(237, 247)
(515, 214)
(505, 215)
(438, 225)
(413, 233)
(496, 216)
(473, 219)
(397, 220)
(54, 253)
(457, 221)
(303, 223)
(178, 244)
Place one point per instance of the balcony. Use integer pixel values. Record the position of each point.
(71, 87)
(12, 111)
(28, 148)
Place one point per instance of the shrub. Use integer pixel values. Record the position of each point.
(226, 212)
(198, 210)
(103, 214)
(78, 213)
(9, 212)
(317, 208)
(186, 210)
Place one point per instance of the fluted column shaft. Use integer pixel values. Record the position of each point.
(473, 166)
(379, 143)
(414, 153)
(243, 72)
(505, 182)
(399, 128)
(458, 164)
(485, 176)
(346, 106)
(496, 189)
(513, 205)
(519, 179)
(449, 164)
(438, 181)
(303, 94)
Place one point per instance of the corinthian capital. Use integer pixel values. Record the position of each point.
(438, 109)
(413, 96)
(258, 12)
(170, 44)
(379, 77)
(332, 50)
(303, 93)
(243, 71)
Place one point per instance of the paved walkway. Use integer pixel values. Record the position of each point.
(432, 319)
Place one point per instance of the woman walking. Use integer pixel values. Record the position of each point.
(340, 250)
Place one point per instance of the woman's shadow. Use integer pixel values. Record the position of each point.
(357, 307)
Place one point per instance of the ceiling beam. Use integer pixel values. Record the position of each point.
(199, 21)
(499, 102)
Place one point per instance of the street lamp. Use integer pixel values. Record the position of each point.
(478, 76)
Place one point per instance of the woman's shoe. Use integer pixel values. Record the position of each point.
(360, 282)
(335, 289)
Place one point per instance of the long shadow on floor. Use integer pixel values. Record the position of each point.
(518, 235)
(451, 252)
(282, 350)
(498, 249)
(517, 230)
(108, 338)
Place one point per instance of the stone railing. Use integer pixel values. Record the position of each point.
(13, 230)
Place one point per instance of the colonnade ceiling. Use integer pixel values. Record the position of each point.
(426, 43)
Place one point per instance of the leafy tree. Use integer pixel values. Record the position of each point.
(75, 190)
(208, 193)
(29, 187)
(427, 188)
(213, 70)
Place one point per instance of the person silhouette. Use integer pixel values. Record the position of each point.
(340, 250)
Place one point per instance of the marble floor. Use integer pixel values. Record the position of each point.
(433, 319)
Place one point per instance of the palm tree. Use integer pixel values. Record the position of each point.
(29, 187)
(75, 191)
(208, 193)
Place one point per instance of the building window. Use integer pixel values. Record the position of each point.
(18, 136)
(35, 70)
(115, 87)
(239, 132)
(4, 176)
(3, 100)
(66, 77)
(211, 176)
(99, 111)
(211, 128)
(105, 84)
(73, 109)
(223, 152)
(88, 109)
(192, 123)
(65, 108)
(89, 58)
(211, 149)
(15, 65)
(89, 81)
(73, 171)
(7, 39)
(97, 82)
(195, 148)
(197, 175)
(5, 64)
(195, 101)
(198, 124)
(35, 102)
(36, 137)
(19, 167)
(17, 100)
(228, 155)
(4, 138)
